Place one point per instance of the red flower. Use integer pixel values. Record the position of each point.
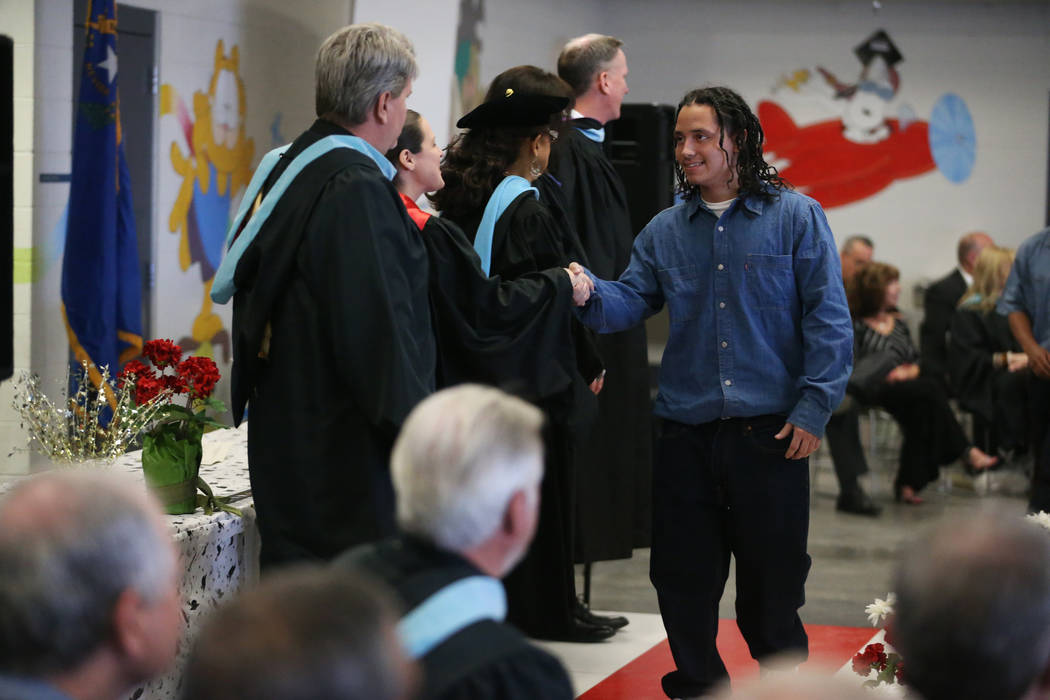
(175, 382)
(147, 388)
(200, 376)
(899, 673)
(162, 353)
(132, 371)
(873, 656)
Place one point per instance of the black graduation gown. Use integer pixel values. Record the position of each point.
(338, 280)
(995, 394)
(487, 659)
(615, 461)
(541, 590)
(492, 331)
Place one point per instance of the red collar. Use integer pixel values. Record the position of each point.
(417, 215)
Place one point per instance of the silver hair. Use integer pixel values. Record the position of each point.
(70, 543)
(461, 455)
(976, 589)
(584, 57)
(356, 65)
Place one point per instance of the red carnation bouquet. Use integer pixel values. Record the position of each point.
(879, 663)
(171, 448)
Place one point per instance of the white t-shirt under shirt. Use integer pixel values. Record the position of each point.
(718, 208)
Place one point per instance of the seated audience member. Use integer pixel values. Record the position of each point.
(939, 304)
(886, 374)
(466, 469)
(843, 429)
(986, 363)
(303, 633)
(89, 601)
(1026, 303)
(973, 610)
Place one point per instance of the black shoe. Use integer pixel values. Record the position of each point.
(582, 613)
(858, 503)
(583, 633)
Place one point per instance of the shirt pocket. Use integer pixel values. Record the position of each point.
(770, 281)
(681, 289)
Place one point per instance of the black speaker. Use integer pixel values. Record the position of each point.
(7, 157)
(639, 146)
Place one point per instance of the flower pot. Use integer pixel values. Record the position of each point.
(171, 459)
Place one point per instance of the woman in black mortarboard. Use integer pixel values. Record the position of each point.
(489, 173)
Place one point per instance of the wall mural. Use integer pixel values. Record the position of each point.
(214, 160)
(466, 75)
(875, 137)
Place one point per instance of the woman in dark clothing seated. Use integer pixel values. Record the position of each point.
(932, 435)
(986, 364)
(489, 192)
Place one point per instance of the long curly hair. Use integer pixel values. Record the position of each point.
(754, 175)
(866, 292)
(989, 278)
(476, 161)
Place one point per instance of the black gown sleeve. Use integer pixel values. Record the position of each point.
(529, 675)
(495, 330)
(970, 357)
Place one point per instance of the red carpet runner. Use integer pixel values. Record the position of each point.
(640, 679)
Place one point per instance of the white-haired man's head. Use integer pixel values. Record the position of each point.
(466, 468)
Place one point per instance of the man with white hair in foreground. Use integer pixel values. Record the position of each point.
(89, 601)
(466, 470)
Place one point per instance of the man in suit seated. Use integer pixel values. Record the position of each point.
(466, 470)
(89, 598)
(939, 304)
(843, 429)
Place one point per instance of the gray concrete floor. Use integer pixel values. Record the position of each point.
(853, 556)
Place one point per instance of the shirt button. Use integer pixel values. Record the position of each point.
(721, 266)
(725, 344)
(721, 228)
(721, 304)
(729, 382)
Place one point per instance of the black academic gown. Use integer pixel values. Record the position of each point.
(491, 331)
(615, 461)
(541, 590)
(333, 346)
(939, 304)
(995, 394)
(487, 659)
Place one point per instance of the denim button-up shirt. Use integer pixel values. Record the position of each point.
(759, 322)
(1028, 286)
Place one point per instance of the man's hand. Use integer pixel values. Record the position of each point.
(582, 286)
(1039, 360)
(598, 383)
(1016, 361)
(803, 443)
(903, 373)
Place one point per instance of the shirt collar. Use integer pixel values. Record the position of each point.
(753, 203)
(967, 277)
(16, 687)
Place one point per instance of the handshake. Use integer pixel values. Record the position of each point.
(582, 285)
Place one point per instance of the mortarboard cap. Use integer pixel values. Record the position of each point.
(514, 109)
(878, 44)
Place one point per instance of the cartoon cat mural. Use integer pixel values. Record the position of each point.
(214, 162)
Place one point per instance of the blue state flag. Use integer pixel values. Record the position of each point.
(101, 293)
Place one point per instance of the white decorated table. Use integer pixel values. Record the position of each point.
(220, 551)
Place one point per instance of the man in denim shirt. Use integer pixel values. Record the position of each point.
(758, 357)
(1026, 303)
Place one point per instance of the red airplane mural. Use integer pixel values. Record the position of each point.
(834, 170)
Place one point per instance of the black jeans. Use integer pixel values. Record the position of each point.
(724, 488)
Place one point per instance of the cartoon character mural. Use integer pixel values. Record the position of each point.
(863, 150)
(214, 163)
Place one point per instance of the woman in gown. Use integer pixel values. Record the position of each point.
(489, 173)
